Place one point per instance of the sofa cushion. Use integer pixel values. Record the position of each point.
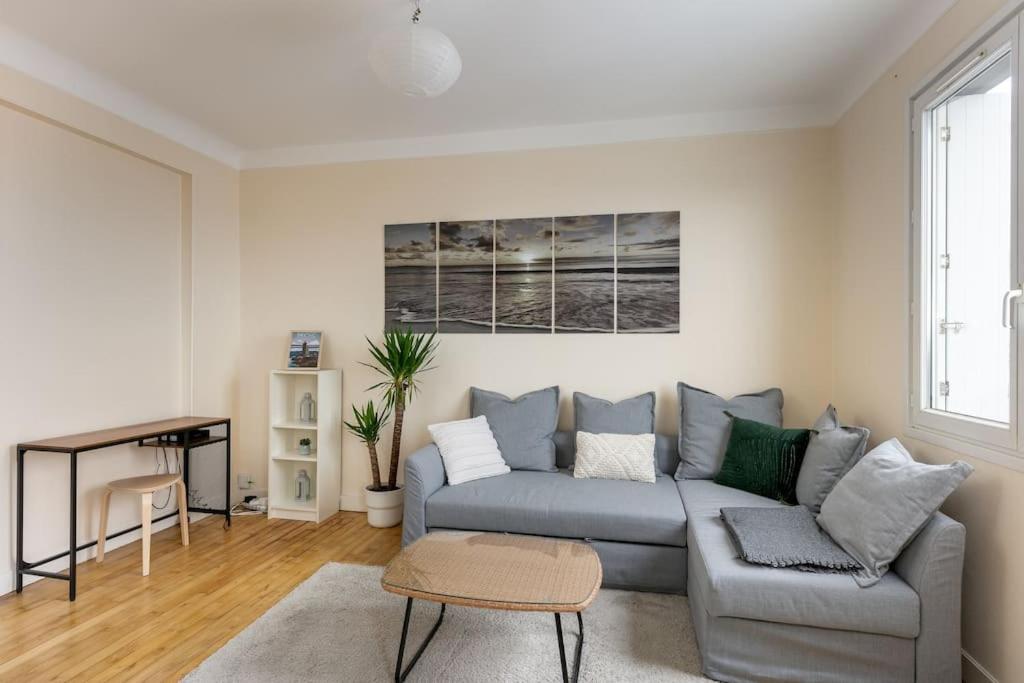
(831, 452)
(704, 426)
(763, 459)
(883, 501)
(557, 504)
(629, 457)
(628, 416)
(666, 451)
(730, 587)
(468, 450)
(523, 426)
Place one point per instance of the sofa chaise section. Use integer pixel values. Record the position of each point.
(758, 623)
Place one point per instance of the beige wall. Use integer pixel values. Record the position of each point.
(756, 211)
(870, 336)
(108, 232)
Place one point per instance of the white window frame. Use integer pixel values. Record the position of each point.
(988, 440)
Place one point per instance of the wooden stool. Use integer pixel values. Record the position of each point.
(145, 486)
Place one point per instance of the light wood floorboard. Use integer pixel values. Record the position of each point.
(126, 627)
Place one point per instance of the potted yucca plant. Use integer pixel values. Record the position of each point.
(367, 426)
(399, 359)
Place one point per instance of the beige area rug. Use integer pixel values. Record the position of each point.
(339, 625)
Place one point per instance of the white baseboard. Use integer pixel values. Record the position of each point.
(7, 578)
(352, 503)
(974, 672)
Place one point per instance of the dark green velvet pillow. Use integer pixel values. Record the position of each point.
(763, 459)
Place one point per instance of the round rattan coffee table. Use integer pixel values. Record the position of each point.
(495, 571)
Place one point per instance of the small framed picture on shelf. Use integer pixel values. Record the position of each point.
(304, 350)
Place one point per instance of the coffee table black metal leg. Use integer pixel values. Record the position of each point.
(399, 673)
(561, 648)
(579, 648)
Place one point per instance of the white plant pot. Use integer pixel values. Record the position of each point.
(384, 508)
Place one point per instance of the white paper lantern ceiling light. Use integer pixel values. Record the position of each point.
(416, 60)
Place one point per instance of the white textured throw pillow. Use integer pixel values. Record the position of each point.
(615, 456)
(468, 450)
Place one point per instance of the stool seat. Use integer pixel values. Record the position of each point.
(147, 484)
(144, 487)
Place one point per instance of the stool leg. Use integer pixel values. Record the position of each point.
(147, 516)
(183, 512)
(101, 542)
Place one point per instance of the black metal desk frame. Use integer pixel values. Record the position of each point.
(23, 568)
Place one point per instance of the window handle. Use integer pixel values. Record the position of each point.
(1007, 298)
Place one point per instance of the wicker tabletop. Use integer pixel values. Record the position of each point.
(496, 571)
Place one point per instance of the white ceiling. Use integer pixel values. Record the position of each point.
(287, 81)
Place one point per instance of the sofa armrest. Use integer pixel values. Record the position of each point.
(424, 475)
(933, 566)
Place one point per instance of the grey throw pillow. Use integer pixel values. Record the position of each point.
(704, 426)
(881, 504)
(831, 452)
(629, 416)
(523, 427)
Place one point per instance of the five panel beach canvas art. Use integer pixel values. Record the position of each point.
(572, 274)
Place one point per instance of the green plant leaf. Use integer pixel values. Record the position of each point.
(401, 357)
(368, 422)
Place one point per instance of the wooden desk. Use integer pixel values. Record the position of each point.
(90, 441)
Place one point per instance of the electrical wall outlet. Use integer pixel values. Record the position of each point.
(245, 481)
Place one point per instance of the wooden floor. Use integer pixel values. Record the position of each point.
(158, 628)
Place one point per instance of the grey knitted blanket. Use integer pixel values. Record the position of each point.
(785, 537)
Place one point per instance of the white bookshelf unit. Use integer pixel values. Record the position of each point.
(323, 464)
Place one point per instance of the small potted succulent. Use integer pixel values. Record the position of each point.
(305, 446)
(383, 504)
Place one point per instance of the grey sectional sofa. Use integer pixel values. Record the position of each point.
(752, 623)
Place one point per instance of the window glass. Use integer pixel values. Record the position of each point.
(969, 197)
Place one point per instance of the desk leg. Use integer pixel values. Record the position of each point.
(227, 475)
(73, 540)
(20, 553)
(184, 469)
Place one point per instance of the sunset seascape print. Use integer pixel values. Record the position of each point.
(648, 272)
(522, 255)
(410, 277)
(585, 274)
(465, 276)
